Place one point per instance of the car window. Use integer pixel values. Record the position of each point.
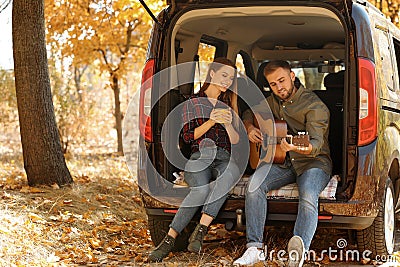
(385, 57)
(240, 65)
(310, 78)
(396, 57)
(206, 53)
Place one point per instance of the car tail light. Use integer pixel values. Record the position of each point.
(368, 113)
(145, 101)
(174, 211)
(325, 217)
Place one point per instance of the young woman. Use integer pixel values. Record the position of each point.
(209, 127)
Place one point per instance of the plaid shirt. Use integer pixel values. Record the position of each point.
(196, 111)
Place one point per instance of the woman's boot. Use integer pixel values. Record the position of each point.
(163, 249)
(196, 238)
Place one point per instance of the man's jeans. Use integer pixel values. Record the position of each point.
(200, 170)
(311, 183)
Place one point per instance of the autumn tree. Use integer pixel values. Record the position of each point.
(44, 161)
(111, 34)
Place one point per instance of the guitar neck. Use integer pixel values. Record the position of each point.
(297, 140)
(269, 149)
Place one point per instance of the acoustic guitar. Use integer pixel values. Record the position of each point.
(269, 150)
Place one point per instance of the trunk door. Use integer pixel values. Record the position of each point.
(338, 4)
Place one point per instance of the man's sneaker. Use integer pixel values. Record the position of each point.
(296, 252)
(163, 249)
(196, 238)
(251, 256)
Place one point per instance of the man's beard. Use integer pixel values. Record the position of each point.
(289, 93)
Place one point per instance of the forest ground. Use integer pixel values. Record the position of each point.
(100, 219)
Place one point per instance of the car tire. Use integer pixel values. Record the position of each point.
(159, 226)
(379, 237)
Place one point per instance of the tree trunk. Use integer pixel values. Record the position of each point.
(77, 79)
(118, 114)
(78, 74)
(44, 161)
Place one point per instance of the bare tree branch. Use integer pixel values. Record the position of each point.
(4, 4)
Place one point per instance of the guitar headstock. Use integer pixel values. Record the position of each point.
(302, 139)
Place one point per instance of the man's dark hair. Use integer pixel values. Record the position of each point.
(276, 64)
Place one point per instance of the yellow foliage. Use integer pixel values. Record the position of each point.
(113, 33)
(390, 8)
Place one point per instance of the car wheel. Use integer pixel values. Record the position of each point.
(379, 237)
(159, 226)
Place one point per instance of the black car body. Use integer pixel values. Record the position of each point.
(349, 41)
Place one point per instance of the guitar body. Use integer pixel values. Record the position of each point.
(270, 150)
(254, 157)
(281, 132)
(255, 151)
(273, 151)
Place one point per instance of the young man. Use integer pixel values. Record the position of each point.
(309, 167)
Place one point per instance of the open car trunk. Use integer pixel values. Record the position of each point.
(311, 38)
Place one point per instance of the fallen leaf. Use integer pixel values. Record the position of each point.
(55, 218)
(4, 230)
(95, 243)
(55, 186)
(219, 252)
(53, 258)
(365, 261)
(29, 189)
(36, 218)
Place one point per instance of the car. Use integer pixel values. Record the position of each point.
(346, 51)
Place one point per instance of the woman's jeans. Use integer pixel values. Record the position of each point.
(211, 164)
(311, 183)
